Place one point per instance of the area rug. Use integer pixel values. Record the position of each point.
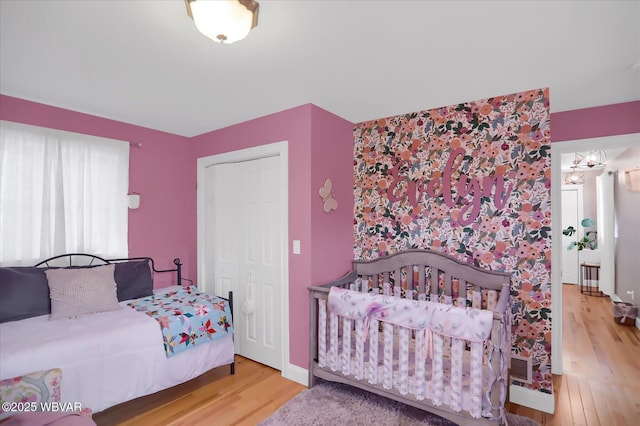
(337, 404)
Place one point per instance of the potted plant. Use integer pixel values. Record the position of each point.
(588, 241)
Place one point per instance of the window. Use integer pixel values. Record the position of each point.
(61, 192)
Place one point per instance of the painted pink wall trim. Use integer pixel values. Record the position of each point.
(158, 171)
(607, 120)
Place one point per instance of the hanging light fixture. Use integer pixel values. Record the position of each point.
(224, 21)
(574, 178)
(590, 160)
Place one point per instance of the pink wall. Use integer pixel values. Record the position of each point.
(607, 120)
(158, 171)
(319, 144)
(332, 233)
(163, 171)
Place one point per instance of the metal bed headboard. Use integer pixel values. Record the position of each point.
(84, 259)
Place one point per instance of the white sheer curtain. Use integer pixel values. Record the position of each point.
(61, 192)
(605, 188)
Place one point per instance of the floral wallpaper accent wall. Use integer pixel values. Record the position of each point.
(472, 180)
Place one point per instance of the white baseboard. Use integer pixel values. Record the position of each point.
(531, 398)
(296, 374)
(615, 298)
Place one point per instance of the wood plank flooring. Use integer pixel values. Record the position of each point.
(601, 384)
(215, 398)
(601, 361)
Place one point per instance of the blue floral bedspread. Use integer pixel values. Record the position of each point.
(187, 317)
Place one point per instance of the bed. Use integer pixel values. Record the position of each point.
(418, 327)
(149, 341)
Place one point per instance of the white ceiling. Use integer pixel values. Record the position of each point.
(144, 62)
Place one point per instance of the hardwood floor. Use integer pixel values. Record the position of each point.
(215, 398)
(601, 361)
(601, 384)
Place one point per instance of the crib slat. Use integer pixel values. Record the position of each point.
(476, 379)
(387, 371)
(373, 351)
(403, 359)
(462, 293)
(419, 373)
(437, 370)
(447, 285)
(322, 332)
(476, 301)
(456, 374)
(333, 342)
(346, 346)
(359, 349)
(434, 284)
(368, 281)
(410, 284)
(421, 280)
(492, 300)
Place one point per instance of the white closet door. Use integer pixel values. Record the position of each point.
(245, 240)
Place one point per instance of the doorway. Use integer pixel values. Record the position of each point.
(557, 149)
(242, 236)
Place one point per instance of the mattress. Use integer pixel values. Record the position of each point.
(106, 358)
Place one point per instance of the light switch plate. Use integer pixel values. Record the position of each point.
(296, 246)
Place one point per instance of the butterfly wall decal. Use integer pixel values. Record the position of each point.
(326, 192)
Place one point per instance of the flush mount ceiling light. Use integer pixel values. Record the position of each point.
(224, 21)
(590, 160)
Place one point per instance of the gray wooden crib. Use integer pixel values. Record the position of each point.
(433, 361)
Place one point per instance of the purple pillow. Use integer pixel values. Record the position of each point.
(133, 280)
(24, 293)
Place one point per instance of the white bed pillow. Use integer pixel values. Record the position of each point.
(81, 291)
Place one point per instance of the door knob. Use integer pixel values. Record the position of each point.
(247, 307)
